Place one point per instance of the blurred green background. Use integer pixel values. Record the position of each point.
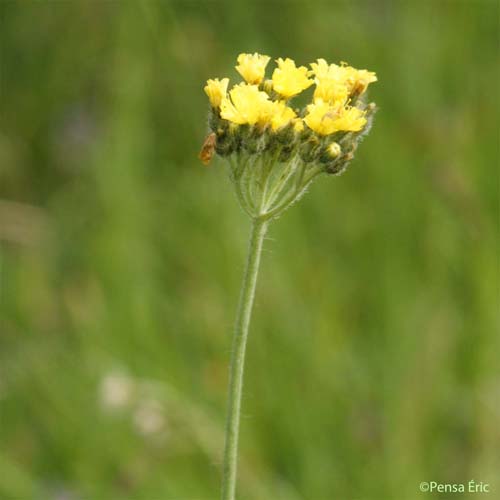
(373, 353)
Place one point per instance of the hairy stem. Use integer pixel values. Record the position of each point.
(281, 182)
(259, 227)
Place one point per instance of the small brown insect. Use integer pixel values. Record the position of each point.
(208, 149)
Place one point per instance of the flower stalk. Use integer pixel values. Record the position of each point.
(247, 295)
(274, 153)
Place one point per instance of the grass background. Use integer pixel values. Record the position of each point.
(373, 353)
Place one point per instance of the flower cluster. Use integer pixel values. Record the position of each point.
(255, 123)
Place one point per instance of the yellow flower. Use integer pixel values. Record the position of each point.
(331, 91)
(350, 120)
(216, 90)
(331, 79)
(280, 115)
(252, 67)
(288, 80)
(326, 119)
(330, 82)
(315, 118)
(359, 79)
(320, 69)
(247, 104)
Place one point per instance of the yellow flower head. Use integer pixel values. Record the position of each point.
(324, 71)
(280, 115)
(216, 90)
(350, 119)
(330, 83)
(330, 78)
(326, 119)
(331, 91)
(276, 149)
(359, 79)
(320, 69)
(252, 67)
(288, 80)
(247, 104)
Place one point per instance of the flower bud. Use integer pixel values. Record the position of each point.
(330, 152)
(251, 140)
(214, 119)
(224, 141)
(285, 134)
(333, 150)
(309, 149)
(286, 153)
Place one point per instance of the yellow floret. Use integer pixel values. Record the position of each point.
(350, 120)
(252, 67)
(325, 119)
(330, 79)
(359, 79)
(288, 80)
(320, 69)
(281, 115)
(331, 91)
(245, 104)
(216, 90)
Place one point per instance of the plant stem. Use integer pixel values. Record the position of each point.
(259, 227)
